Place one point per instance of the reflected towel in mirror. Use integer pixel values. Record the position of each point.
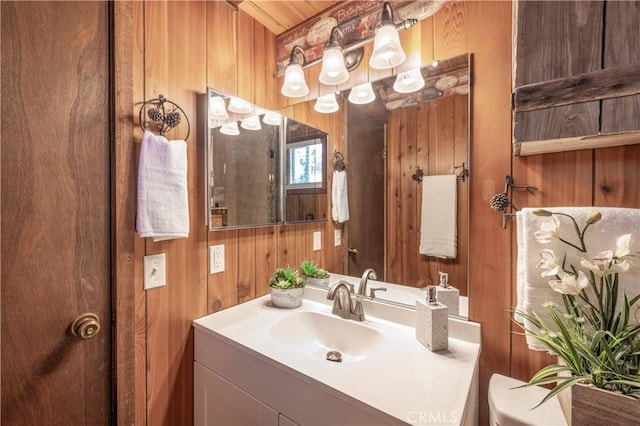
(163, 204)
(339, 197)
(438, 228)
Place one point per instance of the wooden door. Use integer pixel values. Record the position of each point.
(365, 184)
(55, 212)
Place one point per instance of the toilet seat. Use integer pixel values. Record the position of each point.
(512, 407)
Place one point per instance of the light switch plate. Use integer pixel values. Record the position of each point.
(317, 240)
(337, 237)
(155, 271)
(216, 259)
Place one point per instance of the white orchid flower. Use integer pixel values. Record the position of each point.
(623, 246)
(570, 284)
(549, 231)
(605, 263)
(548, 262)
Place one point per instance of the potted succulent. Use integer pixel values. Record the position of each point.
(286, 287)
(594, 333)
(313, 274)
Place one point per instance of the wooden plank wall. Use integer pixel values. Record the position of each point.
(434, 138)
(606, 177)
(180, 48)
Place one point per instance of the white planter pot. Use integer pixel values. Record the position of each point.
(286, 298)
(318, 282)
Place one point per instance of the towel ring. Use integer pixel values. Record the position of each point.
(338, 162)
(161, 118)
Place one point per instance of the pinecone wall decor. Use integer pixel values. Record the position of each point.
(160, 117)
(499, 202)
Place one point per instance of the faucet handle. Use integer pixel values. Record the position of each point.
(372, 291)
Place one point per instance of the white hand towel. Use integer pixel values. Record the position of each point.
(534, 290)
(163, 204)
(438, 230)
(339, 197)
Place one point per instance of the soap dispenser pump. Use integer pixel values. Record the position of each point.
(448, 295)
(432, 321)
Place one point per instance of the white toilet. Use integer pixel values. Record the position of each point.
(512, 407)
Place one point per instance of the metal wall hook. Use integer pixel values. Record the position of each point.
(509, 183)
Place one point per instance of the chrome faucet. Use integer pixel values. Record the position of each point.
(368, 273)
(343, 305)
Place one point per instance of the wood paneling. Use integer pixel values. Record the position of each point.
(279, 16)
(175, 59)
(222, 47)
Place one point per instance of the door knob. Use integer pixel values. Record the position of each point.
(352, 251)
(85, 326)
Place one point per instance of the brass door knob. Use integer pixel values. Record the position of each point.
(85, 326)
(352, 251)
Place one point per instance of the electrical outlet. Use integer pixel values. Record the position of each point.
(155, 272)
(216, 259)
(337, 237)
(317, 240)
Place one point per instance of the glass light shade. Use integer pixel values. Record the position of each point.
(217, 108)
(230, 129)
(326, 104)
(251, 123)
(272, 118)
(294, 85)
(362, 94)
(334, 71)
(387, 50)
(239, 106)
(408, 82)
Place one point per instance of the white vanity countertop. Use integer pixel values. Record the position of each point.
(399, 377)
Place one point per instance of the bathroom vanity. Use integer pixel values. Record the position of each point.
(256, 364)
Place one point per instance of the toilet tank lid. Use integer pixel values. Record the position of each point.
(513, 407)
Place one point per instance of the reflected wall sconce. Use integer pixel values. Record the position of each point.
(251, 123)
(362, 94)
(326, 104)
(272, 118)
(239, 106)
(230, 129)
(295, 86)
(338, 60)
(409, 81)
(217, 108)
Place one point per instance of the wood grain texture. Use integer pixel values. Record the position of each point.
(607, 83)
(248, 58)
(55, 218)
(123, 217)
(246, 283)
(620, 36)
(175, 65)
(616, 177)
(489, 42)
(560, 48)
(130, 163)
(222, 47)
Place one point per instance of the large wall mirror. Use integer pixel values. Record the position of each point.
(393, 145)
(261, 168)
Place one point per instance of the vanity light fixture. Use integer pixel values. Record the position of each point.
(239, 106)
(217, 108)
(387, 50)
(362, 94)
(272, 118)
(326, 104)
(230, 129)
(409, 81)
(294, 85)
(334, 70)
(251, 123)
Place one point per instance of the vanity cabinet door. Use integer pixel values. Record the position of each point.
(218, 402)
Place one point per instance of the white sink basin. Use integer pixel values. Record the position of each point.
(315, 334)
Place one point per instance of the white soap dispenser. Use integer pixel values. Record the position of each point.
(447, 295)
(432, 322)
